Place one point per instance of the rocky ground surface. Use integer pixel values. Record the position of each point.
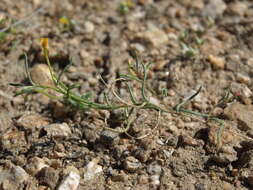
(191, 43)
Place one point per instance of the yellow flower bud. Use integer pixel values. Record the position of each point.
(64, 20)
(44, 43)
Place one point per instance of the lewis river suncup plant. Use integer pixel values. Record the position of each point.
(138, 73)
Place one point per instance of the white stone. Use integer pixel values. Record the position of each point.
(92, 169)
(70, 182)
(89, 27)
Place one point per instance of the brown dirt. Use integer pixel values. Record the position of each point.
(182, 152)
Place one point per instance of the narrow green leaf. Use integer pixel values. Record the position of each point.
(16, 84)
(73, 86)
(87, 96)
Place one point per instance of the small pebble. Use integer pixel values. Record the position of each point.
(242, 78)
(250, 133)
(160, 64)
(139, 47)
(120, 177)
(131, 164)
(13, 139)
(48, 176)
(142, 155)
(69, 169)
(34, 165)
(250, 180)
(40, 74)
(32, 120)
(42, 187)
(84, 54)
(238, 8)
(242, 92)
(200, 186)
(55, 163)
(217, 62)
(155, 180)
(89, 27)
(153, 36)
(59, 109)
(241, 113)
(246, 159)
(19, 174)
(154, 169)
(12, 176)
(227, 186)
(92, 169)
(168, 153)
(143, 179)
(188, 140)
(57, 130)
(250, 62)
(171, 127)
(226, 155)
(109, 137)
(143, 2)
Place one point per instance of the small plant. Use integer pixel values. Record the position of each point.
(125, 6)
(2, 37)
(209, 22)
(188, 51)
(3, 32)
(190, 42)
(66, 24)
(138, 74)
(11, 27)
(8, 34)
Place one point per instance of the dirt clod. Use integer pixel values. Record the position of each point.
(48, 176)
(241, 113)
(131, 164)
(35, 165)
(13, 177)
(153, 36)
(217, 62)
(32, 121)
(57, 131)
(109, 137)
